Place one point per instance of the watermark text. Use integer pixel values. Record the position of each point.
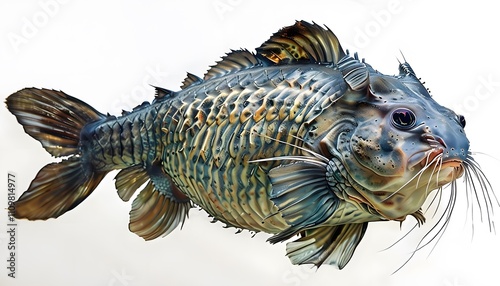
(12, 262)
(31, 25)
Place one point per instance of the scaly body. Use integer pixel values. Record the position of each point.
(297, 139)
(205, 136)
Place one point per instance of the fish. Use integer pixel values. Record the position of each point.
(299, 139)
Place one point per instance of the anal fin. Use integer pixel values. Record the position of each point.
(159, 208)
(333, 245)
(128, 180)
(155, 214)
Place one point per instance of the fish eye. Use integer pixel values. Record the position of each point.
(461, 119)
(403, 118)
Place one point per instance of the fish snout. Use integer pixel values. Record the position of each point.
(453, 148)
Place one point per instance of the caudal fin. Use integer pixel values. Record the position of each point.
(52, 117)
(55, 119)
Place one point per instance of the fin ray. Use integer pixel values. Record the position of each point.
(191, 80)
(333, 245)
(52, 117)
(301, 193)
(154, 214)
(56, 189)
(128, 180)
(236, 60)
(302, 42)
(160, 207)
(56, 120)
(355, 73)
(161, 92)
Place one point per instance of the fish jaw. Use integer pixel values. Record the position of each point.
(409, 194)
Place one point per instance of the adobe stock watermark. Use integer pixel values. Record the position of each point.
(120, 278)
(484, 90)
(380, 19)
(222, 7)
(32, 25)
(142, 91)
(12, 228)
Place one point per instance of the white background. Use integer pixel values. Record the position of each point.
(107, 52)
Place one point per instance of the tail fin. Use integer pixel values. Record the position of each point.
(56, 120)
(52, 117)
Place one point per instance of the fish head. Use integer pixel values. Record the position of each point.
(402, 146)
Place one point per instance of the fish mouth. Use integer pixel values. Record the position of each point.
(431, 157)
(456, 168)
(434, 172)
(447, 170)
(452, 163)
(424, 158)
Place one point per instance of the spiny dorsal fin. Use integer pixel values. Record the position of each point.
(161, 92)
(190, 80)
(302, 42)
(234, 61)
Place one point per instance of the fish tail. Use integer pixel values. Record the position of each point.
(56, 120)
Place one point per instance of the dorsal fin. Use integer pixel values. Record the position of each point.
(190, 80)
(302, 42)
(161, 92)
(144, 104)
(234, 61)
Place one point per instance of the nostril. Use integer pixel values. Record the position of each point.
(429, 139)
(434, 141)
(441, 141)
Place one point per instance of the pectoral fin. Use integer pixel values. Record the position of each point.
(302, 195)
(333, 245)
